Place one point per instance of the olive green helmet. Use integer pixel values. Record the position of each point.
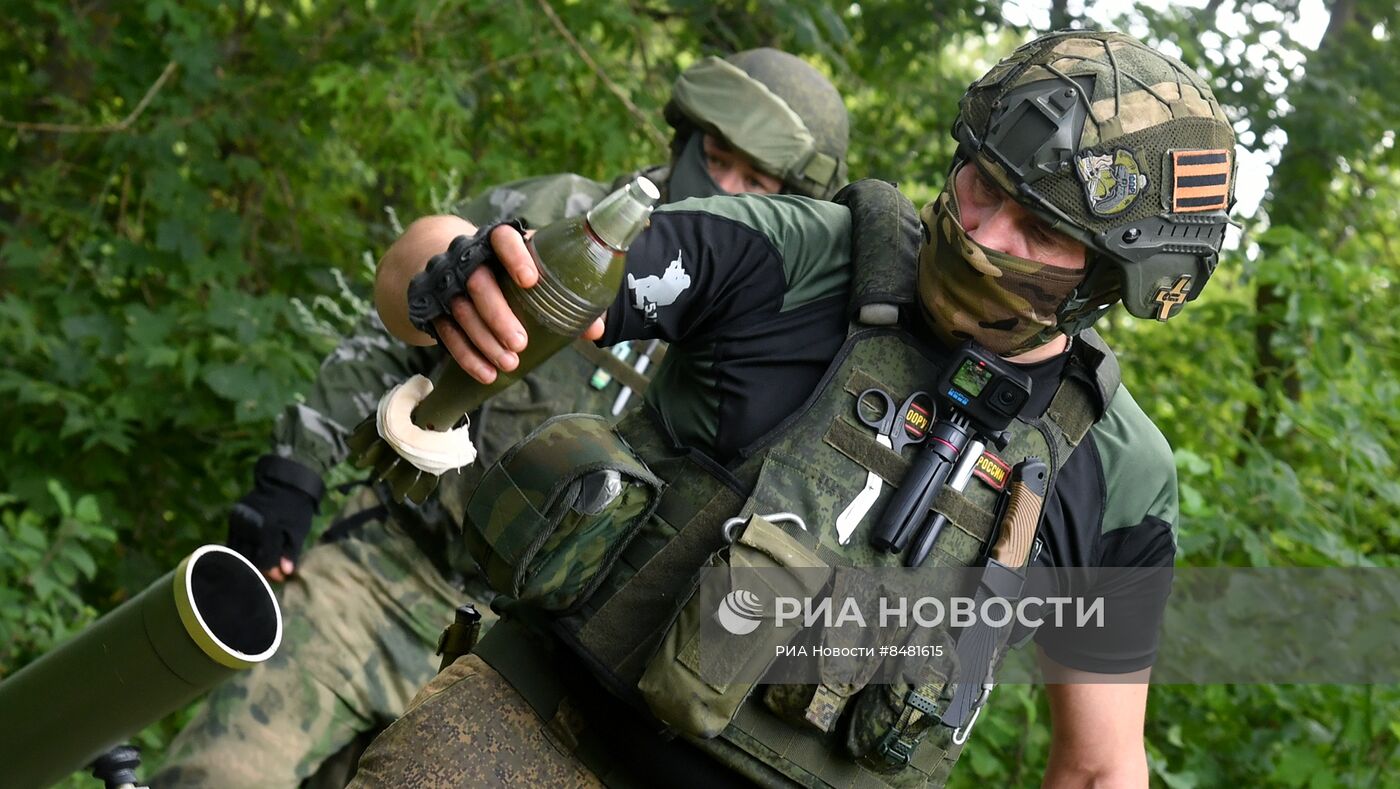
(1119, 146)
(775, 109)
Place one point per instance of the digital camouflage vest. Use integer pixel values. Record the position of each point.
(813, 464)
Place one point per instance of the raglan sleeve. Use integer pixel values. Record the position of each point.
(705, 266)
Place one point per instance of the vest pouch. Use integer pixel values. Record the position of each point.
(852, 654)
(893, 729)
(726, 635)
(550, 517)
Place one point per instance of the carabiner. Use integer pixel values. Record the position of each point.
(727, 530)
(960, 736)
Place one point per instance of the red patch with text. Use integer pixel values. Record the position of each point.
(992, 470)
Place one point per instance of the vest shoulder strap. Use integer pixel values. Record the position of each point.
(885, 239)
(1092, 357)
(1091, 379)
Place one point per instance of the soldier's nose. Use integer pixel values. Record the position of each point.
(730, 181)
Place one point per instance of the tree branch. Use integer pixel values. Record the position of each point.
(641, 117)
(106, 128)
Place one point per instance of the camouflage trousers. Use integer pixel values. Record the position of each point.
(362, 616)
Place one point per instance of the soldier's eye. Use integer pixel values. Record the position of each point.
(1052, 240)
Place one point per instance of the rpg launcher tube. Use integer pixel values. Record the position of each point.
(187, 632)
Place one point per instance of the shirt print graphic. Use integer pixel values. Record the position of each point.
(653, 292)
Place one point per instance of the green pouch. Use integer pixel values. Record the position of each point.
(820, 706)
(697, 687)
(550, 517)
(893, 728)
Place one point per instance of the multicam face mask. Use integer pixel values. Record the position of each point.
(968, 291)
(690, 176)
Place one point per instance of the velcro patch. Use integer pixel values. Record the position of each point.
(992, 470)
(1200, 180)
(916, 421)
(1112, 181)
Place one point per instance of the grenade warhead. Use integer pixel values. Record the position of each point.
(581, 262)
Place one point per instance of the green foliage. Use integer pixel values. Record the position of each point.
(1278, 393)
(192, 194)
(42, 560)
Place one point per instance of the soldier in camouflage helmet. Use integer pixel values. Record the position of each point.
(364, 609)
(1091, 169)
(1111, 144)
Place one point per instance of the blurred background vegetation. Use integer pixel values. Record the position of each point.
(192, 194)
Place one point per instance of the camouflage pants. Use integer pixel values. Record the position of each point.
(362, 616)
(470, 727)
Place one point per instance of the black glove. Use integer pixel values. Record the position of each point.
(273, 519)
(446, 276)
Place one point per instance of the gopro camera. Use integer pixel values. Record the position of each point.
(985, 387)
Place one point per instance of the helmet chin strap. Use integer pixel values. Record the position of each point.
(1094, 297)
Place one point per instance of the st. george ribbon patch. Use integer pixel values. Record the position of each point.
(1200, 180)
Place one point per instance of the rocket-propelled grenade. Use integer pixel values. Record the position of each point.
(414, 436)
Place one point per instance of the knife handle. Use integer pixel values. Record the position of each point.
(1024, 503)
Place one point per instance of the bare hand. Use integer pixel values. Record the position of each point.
(483, 335)
(282, 572)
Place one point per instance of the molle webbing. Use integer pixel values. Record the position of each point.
(797, 470)
(854, 443)
(964, 512)
(809, 751)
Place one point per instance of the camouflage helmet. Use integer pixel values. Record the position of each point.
(1118, 146)
(775, 109)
